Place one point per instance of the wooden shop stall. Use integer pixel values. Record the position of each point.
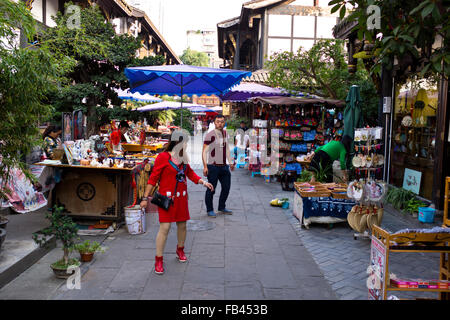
(95, 184)
(321, 203)
(302, 125)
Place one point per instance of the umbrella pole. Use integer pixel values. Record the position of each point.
(181, 103)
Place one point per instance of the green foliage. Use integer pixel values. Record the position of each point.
(234, 122)
(61, 264)
(26, 76)
(409, 29)
(305, 176)
(413, 205)
(187, 119)
(61, 227)
(323, 71)
(88, 247)
(399, 197)
(323, 173)
(92, 59)
(194, 58)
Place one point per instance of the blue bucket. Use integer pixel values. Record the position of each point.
(426, 214)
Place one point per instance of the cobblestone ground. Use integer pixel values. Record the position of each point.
(344, 260)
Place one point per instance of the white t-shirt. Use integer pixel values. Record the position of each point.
(241, 143)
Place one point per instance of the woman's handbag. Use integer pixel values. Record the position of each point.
(161, 201)
(165, 202)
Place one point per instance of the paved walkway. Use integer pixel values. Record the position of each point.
(259, 252)
(252, 254)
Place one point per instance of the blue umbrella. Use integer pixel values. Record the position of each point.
(183, 80)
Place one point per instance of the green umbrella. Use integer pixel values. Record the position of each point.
(352, 112)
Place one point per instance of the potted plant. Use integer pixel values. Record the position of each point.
(3, 222)
(87, 250)
(64, 229)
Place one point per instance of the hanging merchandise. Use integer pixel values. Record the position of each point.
(367, 188)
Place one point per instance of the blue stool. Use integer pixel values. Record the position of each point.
(240, 163)
(255, 173)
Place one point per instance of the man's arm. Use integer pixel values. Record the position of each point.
(204, 159)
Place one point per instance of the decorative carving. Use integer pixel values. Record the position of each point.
(86, 191)
(111, 211)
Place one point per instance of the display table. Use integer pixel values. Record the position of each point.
(320, 209)
(93, 192)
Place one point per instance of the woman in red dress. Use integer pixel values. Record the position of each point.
(164, 172)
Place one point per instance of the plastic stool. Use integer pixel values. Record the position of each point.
(240, 160)
(255, 172)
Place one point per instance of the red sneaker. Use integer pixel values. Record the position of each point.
(159, 268)
(181, 255)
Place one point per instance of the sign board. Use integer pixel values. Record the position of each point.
(411, 180)
(226, 109)
(376, 270)
(387, 103)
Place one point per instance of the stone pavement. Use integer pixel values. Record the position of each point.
(252, 254)
(259, 252)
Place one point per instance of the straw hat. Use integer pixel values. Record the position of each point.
(363, 223)
(356, 220)
(351, 218)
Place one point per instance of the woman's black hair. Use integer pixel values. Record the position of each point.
(124, 124)
(347, 142)
(174, 140)
(50, 129)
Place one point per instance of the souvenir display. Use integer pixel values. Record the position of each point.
(367, 188)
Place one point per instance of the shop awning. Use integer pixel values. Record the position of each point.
(165, 105)
(245, 90)
(280, 100)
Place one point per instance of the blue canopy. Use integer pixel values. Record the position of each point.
(183, 79)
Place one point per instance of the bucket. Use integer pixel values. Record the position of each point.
(135, 219)
(426, 214)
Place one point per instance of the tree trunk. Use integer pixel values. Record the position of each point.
(66, 256)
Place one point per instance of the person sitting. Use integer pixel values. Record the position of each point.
(118, 136)
(324, 156)
(51, 141)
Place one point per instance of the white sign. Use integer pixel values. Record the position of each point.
(387, 103)
(376, 270)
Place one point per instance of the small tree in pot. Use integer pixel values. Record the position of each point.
(87, 250)
(65, 230)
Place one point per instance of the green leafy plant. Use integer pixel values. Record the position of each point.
(413, 205)
(323, 173)
(399, 197)
(409, 29)
(88, 247)
(305, 176)
(62, 228)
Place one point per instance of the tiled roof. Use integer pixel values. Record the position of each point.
(259, 76)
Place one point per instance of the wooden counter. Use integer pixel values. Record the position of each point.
(93, 192)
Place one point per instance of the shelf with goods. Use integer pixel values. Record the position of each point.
(409, 241)
(446, 219)
(366, 188)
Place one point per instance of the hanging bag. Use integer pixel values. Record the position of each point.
(164, 202)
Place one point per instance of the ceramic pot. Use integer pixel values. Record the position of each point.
(61, 273)
(3, 222)
(86, 257)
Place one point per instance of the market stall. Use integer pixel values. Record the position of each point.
(95, 183)
(321, 203)
(302, 124)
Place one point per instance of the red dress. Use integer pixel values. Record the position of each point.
(179, 211)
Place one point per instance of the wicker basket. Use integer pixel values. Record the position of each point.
(305, 194)
(338, 195)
